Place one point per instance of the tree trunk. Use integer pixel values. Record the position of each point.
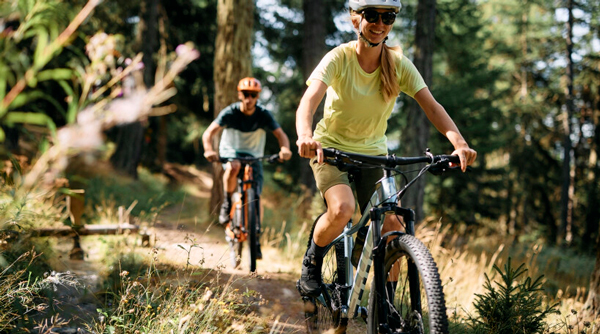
(591, 309)
(233, 61)
(130, 137)
(568, 172)
(313, 49)
(416, 134)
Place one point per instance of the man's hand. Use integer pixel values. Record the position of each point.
(211, 156)
(285, 153)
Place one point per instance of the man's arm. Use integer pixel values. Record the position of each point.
(284, 143)
(207, 141)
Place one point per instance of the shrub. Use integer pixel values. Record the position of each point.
(510, 306)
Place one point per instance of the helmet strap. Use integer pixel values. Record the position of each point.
(364, 39)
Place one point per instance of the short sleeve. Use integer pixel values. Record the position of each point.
(328, 68)
(270, 123)
(224, 117)
(410, 80)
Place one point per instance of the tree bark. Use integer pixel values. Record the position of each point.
(313, 49)
(591, 309)
(568, 172)
(415, 136)
(233, 61)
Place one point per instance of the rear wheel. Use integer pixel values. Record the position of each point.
(323, 313)
(251, 207)
(415, 301)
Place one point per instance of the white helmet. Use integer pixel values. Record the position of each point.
(358, 5)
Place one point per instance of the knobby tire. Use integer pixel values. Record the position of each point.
(403, 305)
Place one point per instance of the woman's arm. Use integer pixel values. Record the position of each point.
(438, 116)
(307, 146)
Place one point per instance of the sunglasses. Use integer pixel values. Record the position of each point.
(250, 94)
(372, 16)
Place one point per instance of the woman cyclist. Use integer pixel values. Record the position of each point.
(362, 79)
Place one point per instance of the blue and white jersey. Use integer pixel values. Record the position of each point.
(244, 134)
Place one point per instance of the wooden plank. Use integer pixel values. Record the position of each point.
(85, 230)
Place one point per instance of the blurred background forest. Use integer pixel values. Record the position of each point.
(521, 78)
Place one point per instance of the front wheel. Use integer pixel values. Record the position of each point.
(414, 296)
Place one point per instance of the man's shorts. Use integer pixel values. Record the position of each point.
(364, 180)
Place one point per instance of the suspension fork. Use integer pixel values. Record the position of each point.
(379, 268)
(380, 243)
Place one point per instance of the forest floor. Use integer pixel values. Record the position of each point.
(181, 244)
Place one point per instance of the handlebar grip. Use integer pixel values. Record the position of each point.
(452, 158)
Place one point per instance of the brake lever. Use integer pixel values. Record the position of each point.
(274, 158)
(441, 168)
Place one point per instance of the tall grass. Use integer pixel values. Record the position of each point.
(161, 299)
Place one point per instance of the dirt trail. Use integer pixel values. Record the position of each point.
(210, 250)
(184, 243)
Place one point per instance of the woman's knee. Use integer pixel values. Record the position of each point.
(341, 212)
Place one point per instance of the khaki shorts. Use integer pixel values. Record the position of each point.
(364, 180)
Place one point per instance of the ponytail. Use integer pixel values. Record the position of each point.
(389, 79)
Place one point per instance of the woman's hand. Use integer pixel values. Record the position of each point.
(466, 155)
(308, 147)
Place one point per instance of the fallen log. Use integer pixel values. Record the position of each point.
(65, 231)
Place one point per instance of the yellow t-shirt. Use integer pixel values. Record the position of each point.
(356, 114)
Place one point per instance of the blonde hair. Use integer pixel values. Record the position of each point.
(390, 88)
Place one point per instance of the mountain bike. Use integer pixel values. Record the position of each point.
(244, 223)
(406, 294)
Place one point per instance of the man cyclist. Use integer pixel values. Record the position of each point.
(244, 124)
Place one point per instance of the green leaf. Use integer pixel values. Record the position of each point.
(39, 59)
(55, 74)
(2, 135)
(30, 118)
(72, 108)
(27, 97)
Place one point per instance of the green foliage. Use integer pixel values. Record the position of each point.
(146, 196)
(513, 305)
(29, 45)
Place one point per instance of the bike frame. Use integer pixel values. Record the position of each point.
(383, 201)
(239, 230)
(386, 197)
(245, 181)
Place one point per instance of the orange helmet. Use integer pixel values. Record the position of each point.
(249, 84)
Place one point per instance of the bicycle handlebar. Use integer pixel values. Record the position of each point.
(389, 161)
(249, 159)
